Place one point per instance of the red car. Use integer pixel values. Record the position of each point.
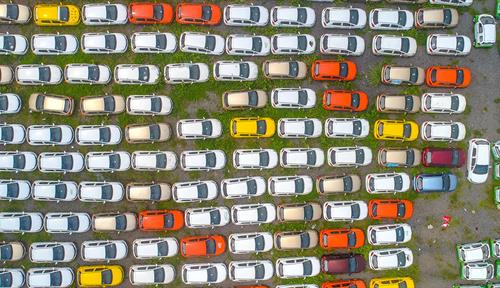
(203, 246)
(351, 283)
(329, 70)
(198, 14)
(390, 209)
(448, 77)
(150, 13)
(341, 238)
(342, 263)
(161, 220)
(345, 100)
(443, 157)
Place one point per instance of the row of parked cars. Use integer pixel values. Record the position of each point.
(474, 259)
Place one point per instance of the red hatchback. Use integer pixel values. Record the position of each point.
(150, 13)
(351, 283)
(161, 220)
(345, 100)
(342, 263)
(198, 14)
(203, 246)
(443, 157)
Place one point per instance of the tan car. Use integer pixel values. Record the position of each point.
(289, 240)
(148, 192)
(12, 251)
(310, 211)
(52, 104)
(6, 75)
(144, 133)
(436, 18)
(102, 105)
(402, 75)
(332, 184)
(399, 157)
(275, 69)
(398, 103)
(235, 100)
(114, 222)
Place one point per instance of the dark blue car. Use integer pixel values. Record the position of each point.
(440, 182)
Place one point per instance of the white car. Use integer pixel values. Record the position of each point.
(388, 234)
(194, 191)
(201, 43)
(245, 243)
(495, 247)
(101, 191)
(179, 73)
(62, 162)
(10, 103)
(391, 19)
(393, 258)
(289, 185)
(346, 128)
(248, 45)
(461, 3)
(484, 30)
(207, 160)
(14, 189)
(443, 103)
(235, 71)
(338, 44)
(114, 222)
(478, 160)
(152, 191)
(12, 134)
(292, 44)
(38, 74)
(136, 74)
(21, 222)
(155, 274)
(107, 161)
(153, 42)
(87, 74)
(103, 250)
(392, 45)
(378, 183)
(480, 271)
(13, 44)
(198, 128)
(349, 156)
(57, 191)
(299, 128)
(292, 16)
(52, 252)
(154, 160)
(50, 134)
(155, 248)
(54, 44)
(149, 105)
(343, 18)
(250, 270)
(245, 15)
(207, 217)
(473, 252)
(448, 45)
(255, 158)
(442, 131)
(104, 14)
(345, 210)
(297, 267)
(302, 157)
(56, 277)
(203, 273)
(98, 135)
(293, 98)
(104, 43)
(66, 222)
(15, 277)
(251, 214)
(244, 187)
(17, 161)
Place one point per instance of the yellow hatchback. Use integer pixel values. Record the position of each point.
(56, 15)
(396, 282)
(252, 127)
(99, 275)
(401, 130)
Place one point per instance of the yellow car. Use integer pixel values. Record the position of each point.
(99, 275)
(392, 282)
(252, 127)
(401, 130)
(56, 15)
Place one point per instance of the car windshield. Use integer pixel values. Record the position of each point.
(202, 189)
(73, 223)
(58, 253)
(293, 68)
(356, 127)
(401, 18)
(110, 251)
(460, 43)
(447, 16)
(67, 162)
(351, 239)
(263, 158)
(211, 159)
(480, 169)
(12, 190)
(63, 13)
(121, 222)
(162, 248)
(401, 210)
(261, 214)
(299, 185)
(25, 223)
(210, 245)
(60, 43)
(254, 14)
(6, 279)
(252, 187)
(206, 13)
(302, 42)
(210, 43)
(55, 134)
(111, 12)
(454, 131)
(5, 252)
(353, 16)
(106, 192)
(410, 157)
(61, 190)
(114, 161)
(7, 133)
(446, 182)
(355, 99)
(194, 72)
(311, 158)
(355, 211)
(406, 130)
(398, 182)
(9, 42)
(301, 15)
(343, 69)
(155, 192)
(161, 41)
(4, 103)
(109, 103)
(401, 259)
(347, 183)
(353, 265)
(261, 127)
(259, 243)
(351, 44)
(413, 75)
(405, 44)
(253, 98)
(159, 275)
(244, 70)
(110, 41)
(307, 266)
(305, 240)
(460, 76)
(104, 134)
(44, 74)
(211, 274)
(19, 161)
(256, 44)
(12, 13)
(360, 156)
(215, 217)
(158, 12)
(259, 272)
(308, 212)
(93, 71)
(400, 234)
(143, 73)
(107, 277)
(308, 127)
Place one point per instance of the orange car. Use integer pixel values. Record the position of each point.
(198, 14)
(203, 246)
(447, 76)
(341, 238)
(351, 283)
(345, 100)
(150, 13)
(333, 70)
(161, 220)
(390, 209)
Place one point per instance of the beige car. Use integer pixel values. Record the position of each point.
(402, 75)
(144, 133)
(114, 222)
(52, 104)
(12, 251)
(275, 69)
(399, 157)
(289, 240)
(310, 211)
(6, 75)
(102, 105)
(14, 13)
(436, 18)
(148, 192)
(398, 103)
(235, 100)
(332, 184)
